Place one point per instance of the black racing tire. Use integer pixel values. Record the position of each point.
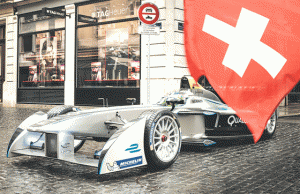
(60, 110)
(162, 143)
(270, 129)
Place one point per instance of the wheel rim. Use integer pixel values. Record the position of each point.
(271, 124)
(166, 138)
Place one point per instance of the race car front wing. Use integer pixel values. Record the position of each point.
(123, 150)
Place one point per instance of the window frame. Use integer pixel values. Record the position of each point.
(99, 24)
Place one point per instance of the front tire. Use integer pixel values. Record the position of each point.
(162, 139)
(270, 127)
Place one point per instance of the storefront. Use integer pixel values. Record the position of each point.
(41, 58)
(90, 53)
(79, 52)
(107, 54)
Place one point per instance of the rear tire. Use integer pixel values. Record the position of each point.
(60, 110)
(162, 139)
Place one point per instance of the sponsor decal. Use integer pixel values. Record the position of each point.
(232, 120)
(133, 148)
(113, 167)
(126, 163)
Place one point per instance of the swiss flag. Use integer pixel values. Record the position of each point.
(248, 49)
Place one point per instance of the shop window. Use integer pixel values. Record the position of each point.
(112, 58)
(41, 59)
(41, 56)
(108, 54)
(39, 22)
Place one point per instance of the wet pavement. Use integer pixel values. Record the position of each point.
(228, 167)
(293, 109)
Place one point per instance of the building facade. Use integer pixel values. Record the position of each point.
(79, 52)
(90, 52)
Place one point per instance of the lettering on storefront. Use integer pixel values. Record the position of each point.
(112, 12)
(54, 13)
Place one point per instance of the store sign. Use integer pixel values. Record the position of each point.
(53, 12)
(87, 19)
(112, 12)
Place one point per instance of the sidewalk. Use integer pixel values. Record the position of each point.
(290, 110)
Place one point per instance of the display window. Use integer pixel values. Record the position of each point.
(41, 54)
(108, 54)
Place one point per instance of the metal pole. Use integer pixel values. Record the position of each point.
(148, 72)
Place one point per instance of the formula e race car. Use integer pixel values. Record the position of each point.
(135, 135)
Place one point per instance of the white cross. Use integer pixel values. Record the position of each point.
(244, 43)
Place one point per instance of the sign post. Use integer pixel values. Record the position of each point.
(148, 14)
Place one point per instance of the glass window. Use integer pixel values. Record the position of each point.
(38, 22)
(110, 10)
(42, 59)
(41, 51)
(109, 55)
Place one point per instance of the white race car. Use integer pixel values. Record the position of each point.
(135, 135)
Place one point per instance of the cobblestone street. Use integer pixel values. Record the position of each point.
(228, 167)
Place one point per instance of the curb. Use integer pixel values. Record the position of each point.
(290, 115)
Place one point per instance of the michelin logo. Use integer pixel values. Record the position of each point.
(126, 163)
(130, 162)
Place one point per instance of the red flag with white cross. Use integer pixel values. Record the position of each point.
(249, 50)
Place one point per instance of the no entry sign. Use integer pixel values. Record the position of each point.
(148, 13)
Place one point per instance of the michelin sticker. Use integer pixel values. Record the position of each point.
(126, 163)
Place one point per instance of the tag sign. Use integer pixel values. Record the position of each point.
(87, 19)
(53, 12)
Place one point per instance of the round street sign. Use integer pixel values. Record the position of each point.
(148, 13)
